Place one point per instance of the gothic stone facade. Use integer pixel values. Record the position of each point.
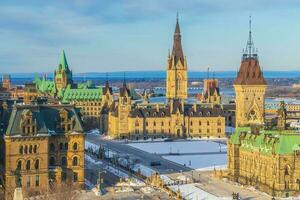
(174, 119)
(269, 160)
(44, 144)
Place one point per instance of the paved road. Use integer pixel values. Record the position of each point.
(206, 182)
(144, 157)
(192, 154)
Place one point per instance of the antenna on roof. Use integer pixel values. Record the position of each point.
(208, 73)
(124, 79)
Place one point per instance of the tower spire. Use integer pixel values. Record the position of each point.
(249, 51)
(177, 51)
(63, 61)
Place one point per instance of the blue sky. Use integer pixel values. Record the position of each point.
(127, 35)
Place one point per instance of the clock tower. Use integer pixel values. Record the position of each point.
(250, 88)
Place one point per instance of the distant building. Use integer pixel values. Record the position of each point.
(84, 96)
(211, 92)
(6, 82)
(44, 144)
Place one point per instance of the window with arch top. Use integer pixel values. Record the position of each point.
(75, 146)
(28, 165)
(75, 161)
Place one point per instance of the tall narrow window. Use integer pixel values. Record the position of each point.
(66, 146)
(37, 164)
(37, 180)
(34, 149)
(75, 161)
(75, 146)
(21, 150)
(28, 165)
(19, 165)
(63, 161)
(26, 149)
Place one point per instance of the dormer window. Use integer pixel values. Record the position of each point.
(65, 124)
(27, 124)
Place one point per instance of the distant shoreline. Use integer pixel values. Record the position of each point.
(157, 74)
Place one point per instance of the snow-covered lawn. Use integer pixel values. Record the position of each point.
(191, 192)
(200, 161)
(180, 147)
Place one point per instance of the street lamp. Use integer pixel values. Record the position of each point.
(99, 182)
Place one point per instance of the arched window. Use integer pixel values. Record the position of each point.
(34, 149)
(66, 146)
(52, 147)
(207, 123)
(52, 161)
(219, 122)
(75, 161)
(37, 164)
(63, 161)
(21, 150)
(26, 149)
(19, 165)
(28, 165)
(61, 146)
(75, 146)
(30, 149)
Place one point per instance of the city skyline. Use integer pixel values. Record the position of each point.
(213, 34)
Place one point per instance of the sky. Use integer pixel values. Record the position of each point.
(135, 35)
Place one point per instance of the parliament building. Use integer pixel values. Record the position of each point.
(266, 157)
(124, 118)
(42, 148)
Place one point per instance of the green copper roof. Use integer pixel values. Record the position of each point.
(63, 61)
(44, 86)
(268, 141)
(82, 95)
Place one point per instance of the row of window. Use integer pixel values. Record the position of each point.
(28, 149)
(63, 161)
(28, 181)
(219, 130)
(219, 123)
(63, 146)
(28, 165)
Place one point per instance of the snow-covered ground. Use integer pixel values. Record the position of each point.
(180, 147)
(93, 132)
(199, 162)
(191, 192)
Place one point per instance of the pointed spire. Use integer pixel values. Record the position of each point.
(177, 51)
(177, 28)
(250, 51)
(63, 61)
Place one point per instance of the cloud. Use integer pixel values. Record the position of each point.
(34, 31)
